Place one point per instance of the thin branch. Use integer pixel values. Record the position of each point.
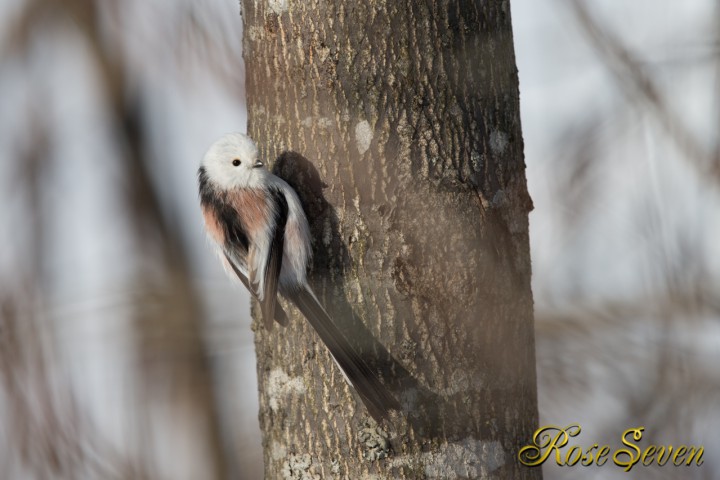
(631, 75)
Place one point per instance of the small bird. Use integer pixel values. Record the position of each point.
(258, 223)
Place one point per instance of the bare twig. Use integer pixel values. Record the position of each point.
(631, 75)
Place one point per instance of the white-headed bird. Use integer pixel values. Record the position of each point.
(258, 223)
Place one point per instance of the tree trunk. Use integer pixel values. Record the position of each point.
(403, 126)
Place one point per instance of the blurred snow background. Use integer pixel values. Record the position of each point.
(126, 353)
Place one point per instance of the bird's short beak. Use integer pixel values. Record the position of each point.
(258, 164)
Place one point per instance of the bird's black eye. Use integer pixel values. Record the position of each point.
(236, 162)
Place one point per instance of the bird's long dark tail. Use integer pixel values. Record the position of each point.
(361, 377)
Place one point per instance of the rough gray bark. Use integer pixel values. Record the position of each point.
(403, 122)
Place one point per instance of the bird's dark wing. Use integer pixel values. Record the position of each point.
(275, 255)
(280, 315)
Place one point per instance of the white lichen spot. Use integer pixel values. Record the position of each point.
(476, 160)
(459, 382)
(498, 142)
(455, 110)
(258, 110)
(278, 6)
(363, 136)
(278, 451)
(376, 442)
(255, 33)
(322, 52)
(469, 458)
(297, 467)
(327, 232)
(325, 123)
(280, 385)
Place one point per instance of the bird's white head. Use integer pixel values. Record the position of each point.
(232, 162)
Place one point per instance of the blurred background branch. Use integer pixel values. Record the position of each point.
(174, 385)
(628, 330)
(636, 80)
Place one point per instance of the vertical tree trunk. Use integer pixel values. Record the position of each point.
(404, 117)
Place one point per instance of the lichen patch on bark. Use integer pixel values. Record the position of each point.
(280, 385)
(363, 136)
